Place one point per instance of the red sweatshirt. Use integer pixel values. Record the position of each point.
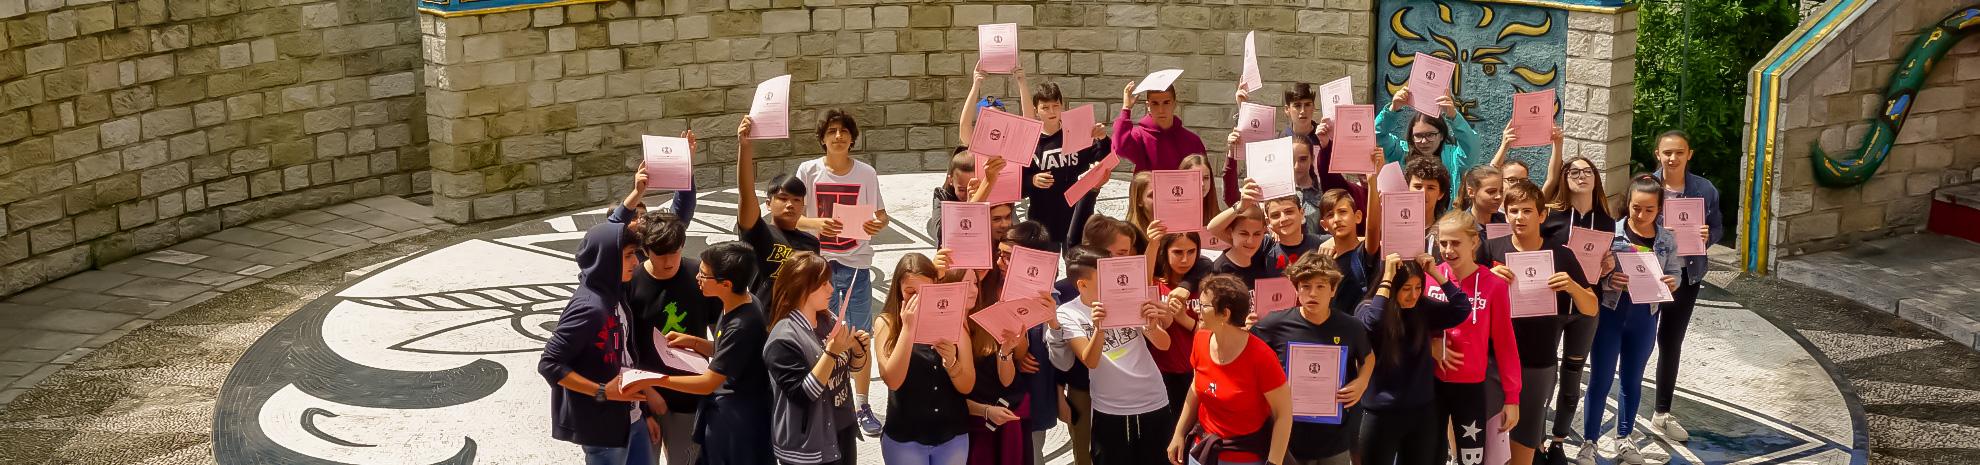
(1490, 323)
(1149, 146)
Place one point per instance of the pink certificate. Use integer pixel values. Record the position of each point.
(1334, 95)
(1009, 187)
(1354, 139)
(1429, 78)
(1005, 135)
(669, 163)
(1646, 277)
(1271, 166)
(1179, 199)
(1529, 291)
(1588, 246)
(1030, 272)
(1091, 180)
(1016, 316)
(939, 313)
(1076, 129)
(1158, 81)
(1249, 79)
(1316, 372)
(770, 111)
(1402, 223)
(1391, 180)
(1272, 295)
(1533, 119)
(1123, 288)
(1683, 217)
(852, 220)
(1498, 230)
(1498, 444)
(1256, 122)
(966, 233)
(997, 48)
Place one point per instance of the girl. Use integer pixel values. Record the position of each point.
(1674, 155)
(1239, 387)
(1512, 167)
(1314, 281)
(1247, 234)
(1538, 336)
(1141, 206)
(1210, 204)
(1461, 396)
(925, 410)
(805, 371)
(1448, 139)
(1303, 174)
(1483, 191)
(1399, 424)
(1576, 199)
(1627, 330)
(1176, 268)
(998, 436)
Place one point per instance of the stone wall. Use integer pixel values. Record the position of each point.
(1829, 101)
(539, 110)
(131, 125)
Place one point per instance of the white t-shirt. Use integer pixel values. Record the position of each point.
(1126, 382)
(859, 186)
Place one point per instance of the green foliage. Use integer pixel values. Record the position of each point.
(1691, 75)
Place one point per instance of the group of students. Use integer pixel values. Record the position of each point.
(1435, 363)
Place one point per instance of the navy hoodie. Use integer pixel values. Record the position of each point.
(590, 341)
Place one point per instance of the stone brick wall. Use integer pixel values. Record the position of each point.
(130, 125)
(1829, 100)
(539, 110)
(1598, 100)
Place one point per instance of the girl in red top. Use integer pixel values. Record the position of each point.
(1461, 385)
(1176, 265)
(1238, 387)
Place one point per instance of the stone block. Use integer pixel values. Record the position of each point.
(75, 143)
(93, 167)
(1022, 15)
(53, 236)
(623, 32)
(890, 16)
(167, 122)
(45, 57)
(235, 56)
(35, 212)
(393, 85)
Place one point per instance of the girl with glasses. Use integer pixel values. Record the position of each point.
(1448, 139)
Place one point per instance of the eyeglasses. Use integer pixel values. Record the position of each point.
(703, 277)
(1425, 136)
(1580, 172)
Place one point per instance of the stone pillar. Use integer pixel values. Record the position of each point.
(1600, 91)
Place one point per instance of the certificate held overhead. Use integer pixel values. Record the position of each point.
(1335, 94)
(1158, 81)
(1533, 119)
(1002, 134)
(669, 163)
(966, 233)
(1403, 223)
(1179, 199)
(1429, 78)
(997, 48)
(1354, 139)
(1271, 166)
(1249, 79)
(770, 110)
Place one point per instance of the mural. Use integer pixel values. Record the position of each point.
(1500, 49)
(449, 8)
(1857, 168)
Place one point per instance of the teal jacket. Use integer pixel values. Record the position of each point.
(1459, 145)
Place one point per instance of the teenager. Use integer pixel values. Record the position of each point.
(1482, 193)
(1628, 330)
(1284, 219)
(1053, 170)
(836, 179)
(1247, 235)
(1001, 399)
(1423, 175)
(1448, 139)
(1575, 199)
(1316, 322)
(1538, 337)
(1177, 268)
(806, 370)
(782, 235)
(1239, 409)
(1354, 258)
(666, 299)
(1201, 164)
(1130, 407)
(1399, 424)
(1674, 157)
(1159, 141)
(955, 188)
(736, 384)
(1461, 389)
(926, 412)
(587, 349)
(1035, 377)
(1312, 148)
(1515, 169)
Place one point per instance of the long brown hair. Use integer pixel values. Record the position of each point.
(913, 264)
(800, 274)
(1143, 181)
(1560, 197)
(1210, 205)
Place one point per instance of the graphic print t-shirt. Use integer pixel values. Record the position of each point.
(668, 305)
(772, 246)
(1126, 381)
(860, 185)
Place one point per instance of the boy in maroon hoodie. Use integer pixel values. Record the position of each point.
(1159, 141)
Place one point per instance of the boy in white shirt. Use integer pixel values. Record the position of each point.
(838, 179)
(1130, 403)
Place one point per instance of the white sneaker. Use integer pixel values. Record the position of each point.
(1587, 454)
(1626, 452)
(1667, 426)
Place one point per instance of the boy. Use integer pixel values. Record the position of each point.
(1053, 171)
(1315, 322)
(665, 299)
(837, 179)
(587, 349)
(1159, 141)
(1247, 235)
(781, 236)
(737, 385)
(1127, 388)
(1353, 258)
(1285, 218)
(1674, 156)
(1318, 139)
(1425, 175)
(1538, 337)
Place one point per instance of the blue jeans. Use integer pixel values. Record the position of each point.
(638, 450)
(954, 452)
(1623, 336)
(860, 281)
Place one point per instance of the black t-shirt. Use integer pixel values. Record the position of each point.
(1197, 271)
(1641, 242)
(1277, 256)
(1281, 328)
(927, 409)
(1249, 273)
(1358, 270)
(1538, 337)
(669, 305)
(772, 247)
(1555, 228)
(739, 340)
(1048, 205)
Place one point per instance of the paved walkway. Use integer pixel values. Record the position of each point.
(1925, 278)
(45, 329)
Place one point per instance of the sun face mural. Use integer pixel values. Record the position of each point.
(1500, 50)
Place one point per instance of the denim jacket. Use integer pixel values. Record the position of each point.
(1665, 247)
(1696, 187)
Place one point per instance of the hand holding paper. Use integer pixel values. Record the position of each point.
(1158, 81)
(966, 233)
(1429, 78)
(1092, 179)
(853, 216)
(939, 315)
(1256, 122)
(1529, 292)
(997, 48)
(1075, 129)
(1683, 216)
(669, 163)
(1270, 164)
(1179, 199)
(1354, 138)
(1316, 372)
(1646, 277)
(1123, 288)
(770, 110)
(1533, 118)
(1030, 272)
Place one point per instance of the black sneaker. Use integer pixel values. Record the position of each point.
(1553, 455)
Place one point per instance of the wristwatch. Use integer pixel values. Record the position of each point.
(601, 393)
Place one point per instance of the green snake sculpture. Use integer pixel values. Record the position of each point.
(1925, 52)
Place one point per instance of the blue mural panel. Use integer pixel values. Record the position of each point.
(1500, 49)
(472, 7)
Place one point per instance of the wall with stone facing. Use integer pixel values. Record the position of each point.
(131, 125)
(1829, 100)
(542, 109)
